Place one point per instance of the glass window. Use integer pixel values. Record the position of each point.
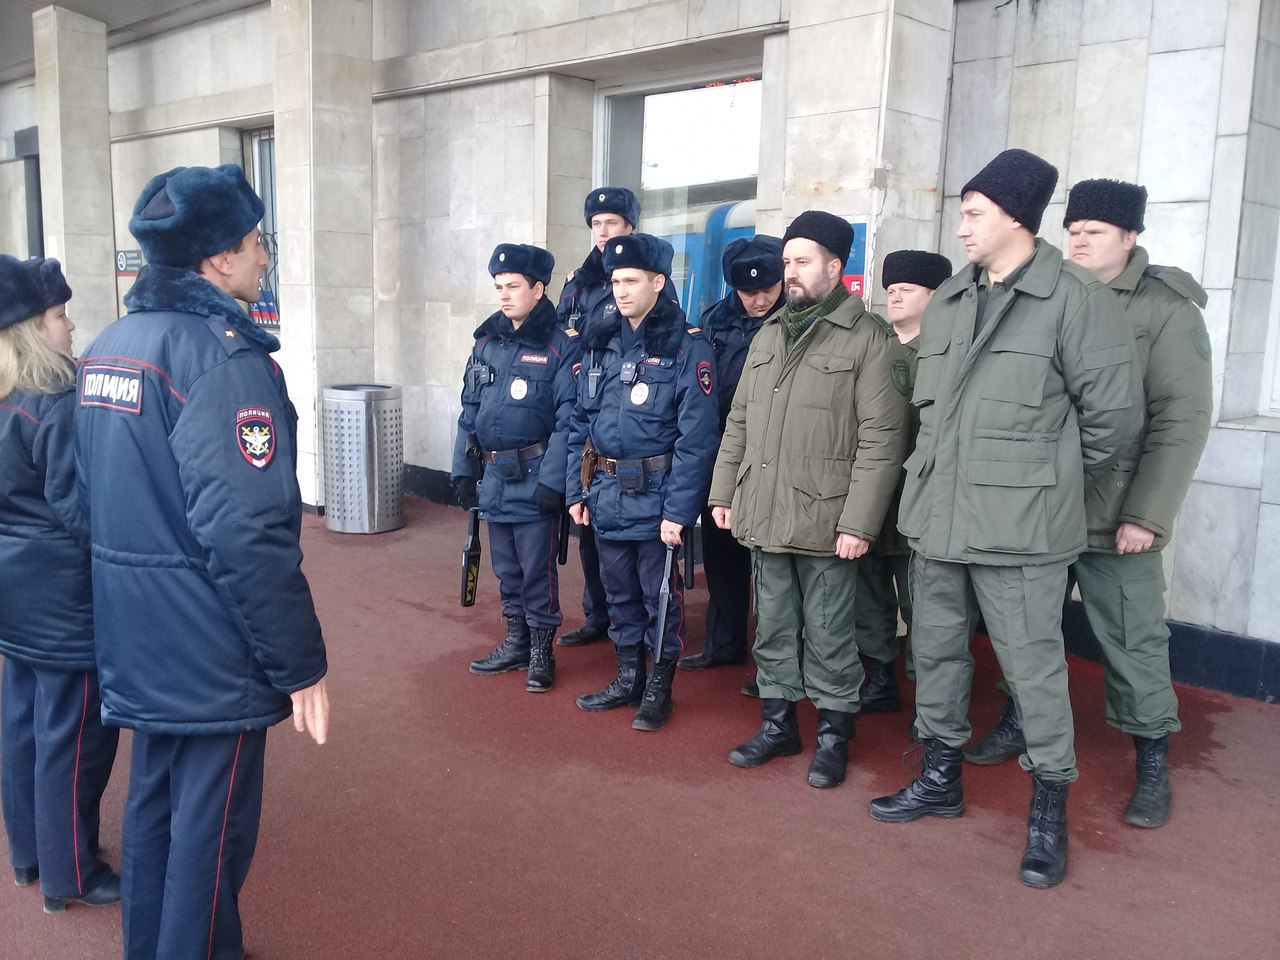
(260, 157)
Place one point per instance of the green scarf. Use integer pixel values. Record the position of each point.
(798, 321)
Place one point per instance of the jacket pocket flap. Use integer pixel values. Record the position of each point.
(1011, 473)
(1107, 356)
(1035, 344)
(829, 363)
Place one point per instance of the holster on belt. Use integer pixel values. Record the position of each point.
(587, 469)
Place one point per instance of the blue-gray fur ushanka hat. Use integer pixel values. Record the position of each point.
(617, 200)
(534, 262)
(29, 287)
(191, 213)
(754, 264)
(920, 267)
(639, 250)
(1019, 183)
(1111, 201)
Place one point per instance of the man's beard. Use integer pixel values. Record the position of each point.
(802, 299)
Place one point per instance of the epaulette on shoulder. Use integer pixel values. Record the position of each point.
(226, 335)
(570, 332)
(882, 323)
(1180, 282)
(695, 329)
(569, 278)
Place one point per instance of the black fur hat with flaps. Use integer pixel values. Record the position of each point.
(1111, 201)
(920, 267)
(754, 264)
(1020, 183)
(191, 213)
(617, 200)
(825, 229)
(639, 250)
(29, 287)
(534, 262)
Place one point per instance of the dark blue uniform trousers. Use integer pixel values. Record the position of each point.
(190, 828)
(595, 603)
(524, 561)
(727, 566)
(56, 758)
(632, 575)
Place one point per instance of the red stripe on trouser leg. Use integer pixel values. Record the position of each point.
(226, 811)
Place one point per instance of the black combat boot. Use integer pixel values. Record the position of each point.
(831, 758)
(542, 662)
(779, 735)
(1044, 863)
(656, 704)
(587, 633)
(751, 688)
(1004, 742)
(512, 654)
(939, 790)
(1151, 801)
(879, 691)
(624, 690)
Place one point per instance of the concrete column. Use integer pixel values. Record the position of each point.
(324, 203)
(75, 160)
(870, 145)
(563, 115)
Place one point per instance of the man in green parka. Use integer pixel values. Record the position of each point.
(1131, 512)
(1027, 391)
(809, 461)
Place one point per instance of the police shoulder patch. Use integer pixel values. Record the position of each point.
(256, 436)
(1200, 340)
(704, 376)
(901, 375)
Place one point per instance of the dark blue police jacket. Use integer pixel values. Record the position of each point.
(587, 292)
(186, 447)
(670, 407)
(726, 324)
(46, 611)
(517, 391)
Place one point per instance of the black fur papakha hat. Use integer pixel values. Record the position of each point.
(832, 232)
(920, 267)
(639, 250)
(191, 213)
(534, 262)
(1111, 201)
(617, 200)
(1020, 183)
(754, 264)
(29, 287)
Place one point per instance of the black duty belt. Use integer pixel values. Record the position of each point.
(647, 464)
(531, 452)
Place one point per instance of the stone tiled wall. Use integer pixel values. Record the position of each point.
(13, 213)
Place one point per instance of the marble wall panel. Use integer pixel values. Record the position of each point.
(810, 93)
(1041, 106)
(1241, 386)
(1264, 606)
(1179, 124)
(1233, 458)
(1222, 240)
(1250, 316)
(1048, 32)
(1185, 24)
(984, 29)
(918, 68)
(1105, 21)
(978, 118)
(1175, 234)
(1213, 575)
(1106, 131)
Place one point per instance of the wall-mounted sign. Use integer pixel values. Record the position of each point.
(855, 271)
(128, 263)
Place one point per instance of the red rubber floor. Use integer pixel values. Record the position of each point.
(453, 816)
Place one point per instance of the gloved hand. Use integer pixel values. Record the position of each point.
(465, 490)
(549, 501)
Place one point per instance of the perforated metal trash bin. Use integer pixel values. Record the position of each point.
(363, 457)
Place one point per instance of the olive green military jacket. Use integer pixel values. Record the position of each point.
(1148, 483)
(816, 435)
(891, 541)
(1010, 422)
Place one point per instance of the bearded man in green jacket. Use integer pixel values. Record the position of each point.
(810, 457)
(1131, 513)
(1026, 385)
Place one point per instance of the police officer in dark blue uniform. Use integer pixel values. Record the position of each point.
(205, 628)
(610, 212)
(517, 395)
(55, 752)
(641, 447)
(753, 271)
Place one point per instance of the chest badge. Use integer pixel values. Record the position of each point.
(639, 393)
(256, 435)
(519, 388)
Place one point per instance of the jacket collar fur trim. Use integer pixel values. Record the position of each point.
(536, 331)
(183, 291)
(662, 331)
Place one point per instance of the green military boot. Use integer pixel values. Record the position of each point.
(1151, 801)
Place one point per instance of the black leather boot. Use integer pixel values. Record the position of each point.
(778, 736)
(25, 876)
(1004, 742)
(624, 690)
(103, 895)
(587, 633)
(751, 688)
(656, 704)
(1151, 801)
(511, 654)
(831, 758)
(879, 691)
(938, 791)
(1044, 863)
(542, 662)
